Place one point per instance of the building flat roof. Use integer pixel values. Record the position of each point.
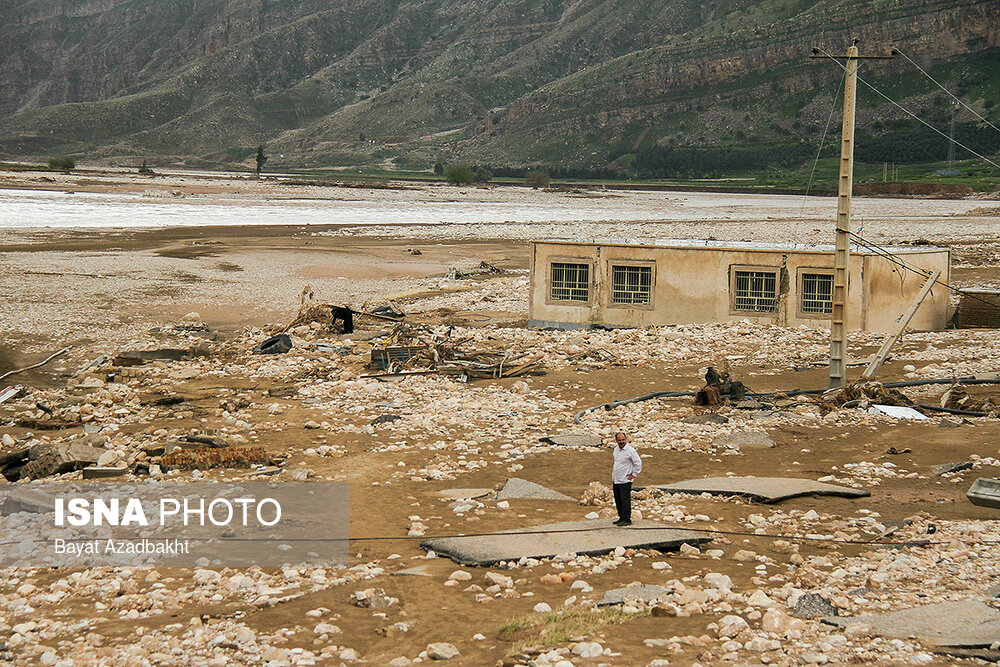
(705, 244)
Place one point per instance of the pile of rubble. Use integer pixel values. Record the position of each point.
(421, 350)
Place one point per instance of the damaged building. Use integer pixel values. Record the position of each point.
(585, 284)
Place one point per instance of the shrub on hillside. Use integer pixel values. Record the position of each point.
(482, 175)
(61, 163)
(538, 178)
(459, 174)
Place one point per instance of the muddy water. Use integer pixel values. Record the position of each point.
(26, 209)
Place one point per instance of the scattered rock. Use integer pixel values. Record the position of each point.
(442, 651)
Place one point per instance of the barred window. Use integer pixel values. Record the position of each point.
(755, 291)
(817, 293)
(631, 285)
(570, 282)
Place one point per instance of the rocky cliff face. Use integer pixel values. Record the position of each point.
(500, 81)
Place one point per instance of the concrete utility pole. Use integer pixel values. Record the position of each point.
(842, 254)
(842, 258)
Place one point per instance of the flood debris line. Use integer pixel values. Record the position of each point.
(863, 394)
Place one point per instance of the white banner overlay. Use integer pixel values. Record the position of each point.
(92, 524)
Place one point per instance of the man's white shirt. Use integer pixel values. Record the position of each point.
(627, 462)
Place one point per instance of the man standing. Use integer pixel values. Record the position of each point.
(627, 466)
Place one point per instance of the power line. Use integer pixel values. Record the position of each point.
(910, 113)
(822, 141)
(899, 261)
(953, 96)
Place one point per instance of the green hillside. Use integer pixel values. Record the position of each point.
(655, 89)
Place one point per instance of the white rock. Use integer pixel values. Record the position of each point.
(588, 650)
(731, 626)
(326, 629)
(719, 581)
(778, 622)
(760, 599)
(460, 575)
(442, 651)
(541, 608)
(499, 579)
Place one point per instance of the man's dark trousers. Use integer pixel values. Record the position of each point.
(623, 500)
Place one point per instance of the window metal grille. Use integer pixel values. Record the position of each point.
(631, 284)
(570, 282)
(817, 293)
(756, 291)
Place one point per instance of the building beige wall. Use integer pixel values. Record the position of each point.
(889, 289)
(692, 284)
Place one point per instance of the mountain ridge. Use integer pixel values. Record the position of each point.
(589, 83)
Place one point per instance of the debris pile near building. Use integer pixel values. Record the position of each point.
(419, 350)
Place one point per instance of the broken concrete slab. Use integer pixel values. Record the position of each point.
(897, 412)
(984, 654)
(103, 472)
(985, 492)
(645, 592)
(573, 440)
(545, 541)
(745, 439)
(14, 500)
(416, 571)
(762, 489)
(139, 357)
(963, 624)
(464, 494)
(811, 605)
(707, 418)
(57, 458)
(517, 488)
(945, 468)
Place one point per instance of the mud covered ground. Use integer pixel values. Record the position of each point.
(222, 290)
